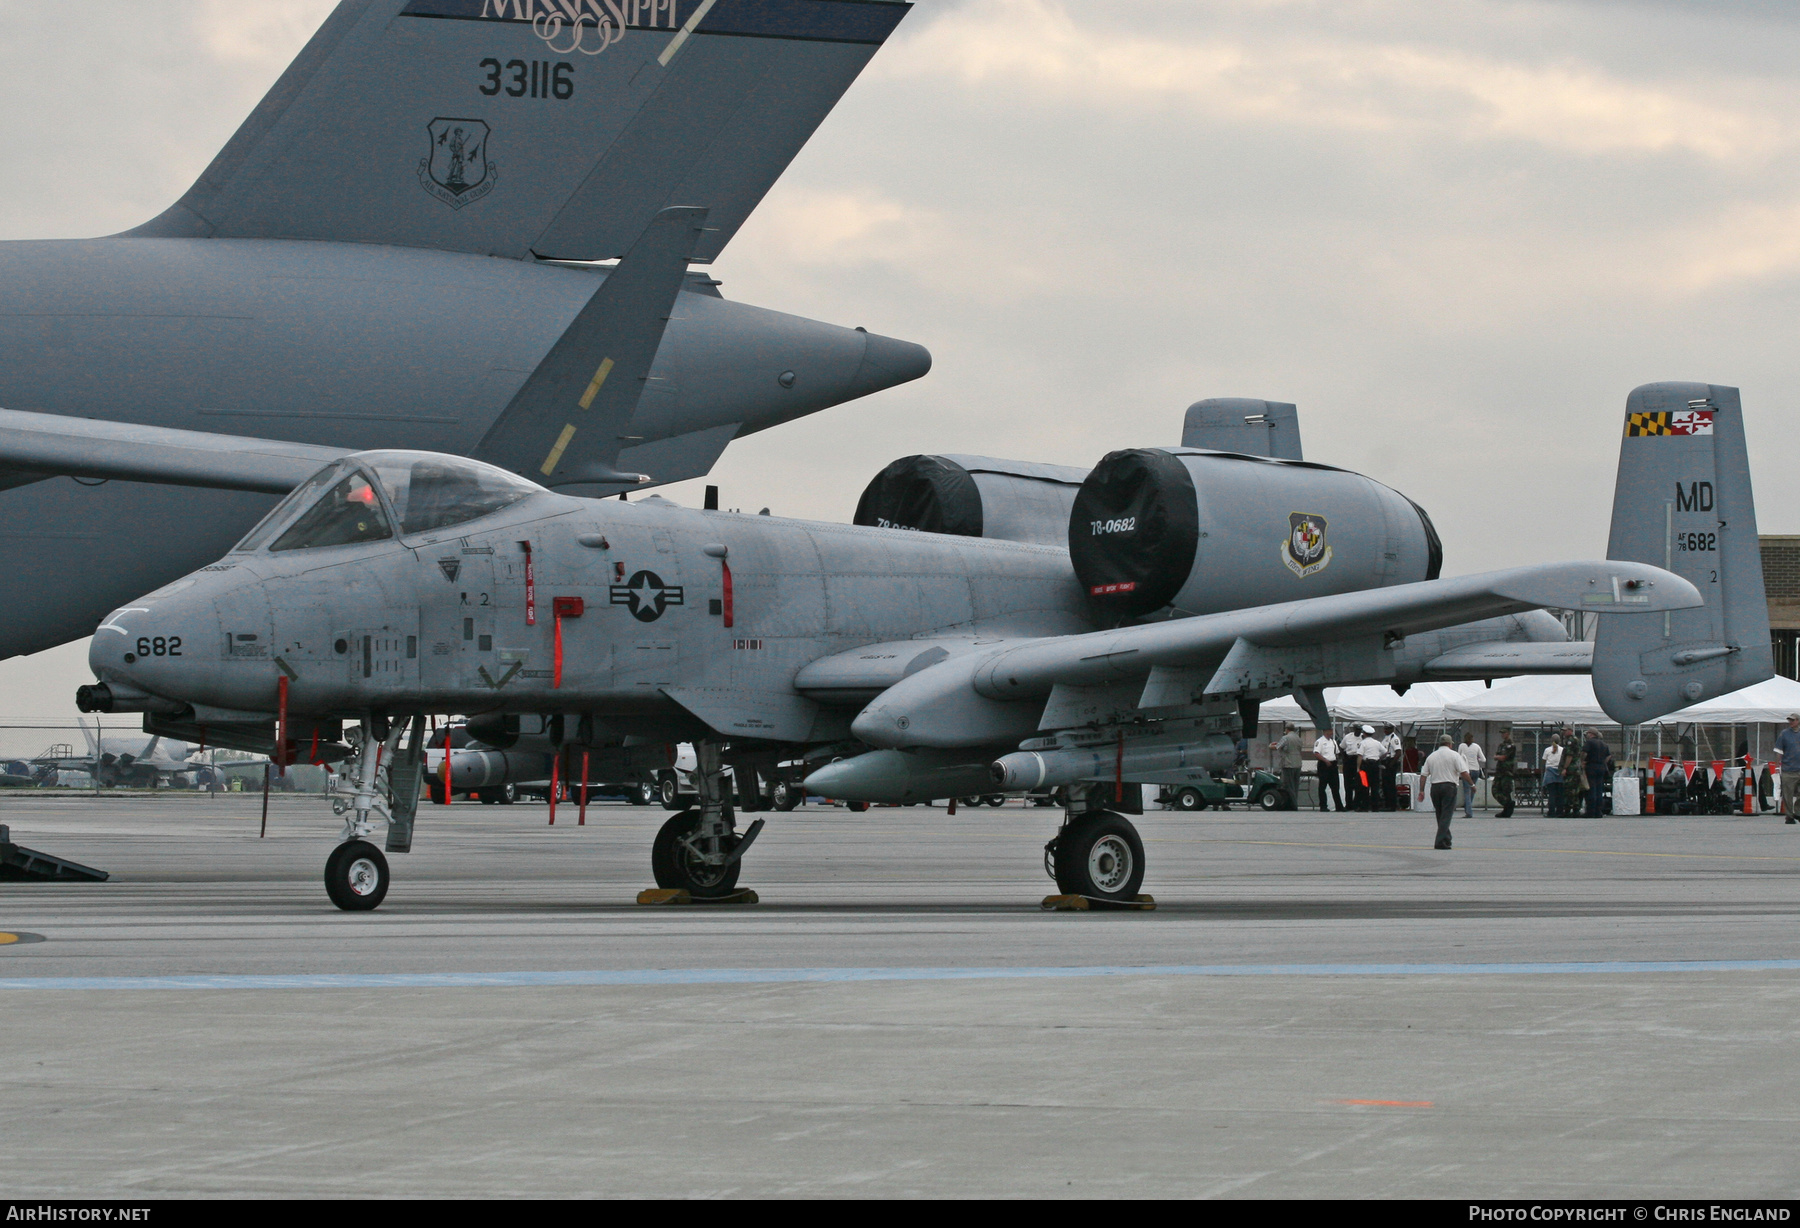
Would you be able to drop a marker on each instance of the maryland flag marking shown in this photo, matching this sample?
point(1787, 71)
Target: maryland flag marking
point(1674, 422)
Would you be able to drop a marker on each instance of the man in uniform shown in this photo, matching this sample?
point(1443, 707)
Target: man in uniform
point(1350, 757)
point(1372, 753)
point(1505, 756)
point(1287, 760)
point(1440, 772)
point(1325, 750)
point(1390, 769)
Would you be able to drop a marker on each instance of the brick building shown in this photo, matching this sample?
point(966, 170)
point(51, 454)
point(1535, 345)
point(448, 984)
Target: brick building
point(1781, 584)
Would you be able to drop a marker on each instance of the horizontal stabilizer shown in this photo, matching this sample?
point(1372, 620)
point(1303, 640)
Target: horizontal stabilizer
point(565, 424)
point(508, 127)
point(1501, 659)
point(49, 445)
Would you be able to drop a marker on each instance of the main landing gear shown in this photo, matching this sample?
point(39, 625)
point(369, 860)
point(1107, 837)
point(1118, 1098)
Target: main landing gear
point(700, 851)
point(382, 788)
point(1097, 855)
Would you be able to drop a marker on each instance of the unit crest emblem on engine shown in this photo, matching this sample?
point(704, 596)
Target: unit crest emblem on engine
point(1305, 550)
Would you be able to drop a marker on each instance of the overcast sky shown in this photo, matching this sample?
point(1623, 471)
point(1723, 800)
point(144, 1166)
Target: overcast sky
point(1456, 234)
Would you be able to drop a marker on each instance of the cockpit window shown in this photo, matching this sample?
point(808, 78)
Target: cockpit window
point(429, 491)
point(296, 498)
point(350, 512)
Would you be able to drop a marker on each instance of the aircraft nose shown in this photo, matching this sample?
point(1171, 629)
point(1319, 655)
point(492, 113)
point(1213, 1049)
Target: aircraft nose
point(154, 643)
point(886, 362)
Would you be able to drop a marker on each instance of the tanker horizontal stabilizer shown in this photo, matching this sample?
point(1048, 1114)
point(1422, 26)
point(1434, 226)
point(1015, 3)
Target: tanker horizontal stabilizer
point(567, 424)
point(1683, 502)
point(36, 446)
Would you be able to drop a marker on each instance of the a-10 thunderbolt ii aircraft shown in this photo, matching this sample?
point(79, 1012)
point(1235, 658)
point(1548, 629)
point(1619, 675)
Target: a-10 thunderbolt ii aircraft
point(393, 241)
point(914, 664)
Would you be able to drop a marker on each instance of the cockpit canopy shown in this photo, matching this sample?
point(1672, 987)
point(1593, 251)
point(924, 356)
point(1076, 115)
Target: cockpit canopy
point(361, 498)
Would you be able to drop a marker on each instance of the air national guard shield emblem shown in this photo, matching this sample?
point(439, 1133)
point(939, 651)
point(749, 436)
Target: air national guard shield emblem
point(455, 168)
point(1305, 550)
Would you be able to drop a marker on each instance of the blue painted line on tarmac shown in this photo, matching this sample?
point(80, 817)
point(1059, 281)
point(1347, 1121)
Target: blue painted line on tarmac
point(784, 976)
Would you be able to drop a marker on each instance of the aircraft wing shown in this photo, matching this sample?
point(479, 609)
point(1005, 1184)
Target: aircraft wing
point(37, 446)
point(964, 701)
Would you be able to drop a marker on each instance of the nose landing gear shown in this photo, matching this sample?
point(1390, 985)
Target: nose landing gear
point(383, 788)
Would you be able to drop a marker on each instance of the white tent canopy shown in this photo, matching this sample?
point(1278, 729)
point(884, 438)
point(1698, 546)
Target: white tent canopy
point(1570, 700)
point(1376, 705)
point(1561, 699)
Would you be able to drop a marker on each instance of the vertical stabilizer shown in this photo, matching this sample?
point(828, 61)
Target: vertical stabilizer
point(1683, 503)
point(513, 127)
point(1243, 424)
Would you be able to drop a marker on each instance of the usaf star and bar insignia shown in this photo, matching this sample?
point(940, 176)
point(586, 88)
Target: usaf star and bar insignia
point(647, 596)
point(1670, 422)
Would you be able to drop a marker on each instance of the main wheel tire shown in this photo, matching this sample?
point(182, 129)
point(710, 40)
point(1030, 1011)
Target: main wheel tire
point(508, 794)
point(995, 799)
point(970, 802)
point(647, 794)
point(356, 876)
point(1273, 799)
point(675, 865)
point(858, 807)
point(786, 796)
point(434, 789)
point(1100, 856)
point(670, 792)
point(1190, 799)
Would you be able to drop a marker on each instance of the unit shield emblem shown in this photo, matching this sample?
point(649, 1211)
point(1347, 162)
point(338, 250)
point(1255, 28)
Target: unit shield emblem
point(1305, 550)
point(455, 168)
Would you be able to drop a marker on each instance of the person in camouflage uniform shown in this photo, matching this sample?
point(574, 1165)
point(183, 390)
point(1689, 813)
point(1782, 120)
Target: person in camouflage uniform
point(1506, 756)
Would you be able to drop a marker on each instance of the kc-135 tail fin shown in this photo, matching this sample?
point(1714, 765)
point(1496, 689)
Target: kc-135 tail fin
point(517, 127)
point(1683, 503)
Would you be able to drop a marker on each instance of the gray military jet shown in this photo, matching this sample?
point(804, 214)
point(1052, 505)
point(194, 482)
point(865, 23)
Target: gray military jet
point(398, 240)
point(910, 664)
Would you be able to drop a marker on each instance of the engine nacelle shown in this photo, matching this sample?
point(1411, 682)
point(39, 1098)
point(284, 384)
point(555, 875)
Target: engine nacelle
point(973, 496)
point(1196, 532)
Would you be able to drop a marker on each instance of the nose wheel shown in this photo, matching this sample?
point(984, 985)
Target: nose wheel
point(356, 876)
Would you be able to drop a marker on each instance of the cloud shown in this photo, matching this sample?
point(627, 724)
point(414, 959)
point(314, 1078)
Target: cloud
point(265, 32)
point(1381, 82)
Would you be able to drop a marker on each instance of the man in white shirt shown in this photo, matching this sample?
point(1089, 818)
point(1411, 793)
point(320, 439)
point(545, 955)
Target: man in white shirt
point(1473, 758)
point(1325, 749)
point(1442, 770)
point(1372, 752)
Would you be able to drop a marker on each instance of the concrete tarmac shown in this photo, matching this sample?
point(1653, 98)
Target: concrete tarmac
point(1321, 1005)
